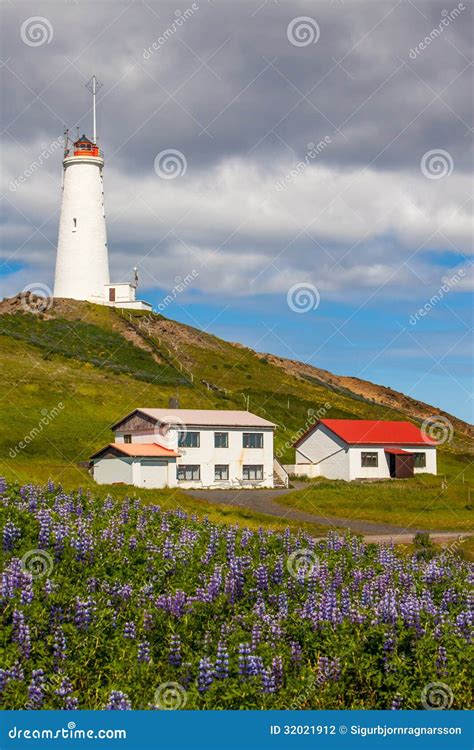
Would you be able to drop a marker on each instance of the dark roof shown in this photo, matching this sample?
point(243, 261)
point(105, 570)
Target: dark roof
point(84, 139)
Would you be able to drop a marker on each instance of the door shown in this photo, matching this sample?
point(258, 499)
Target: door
point(404, 465)
point(112, 295)
point(153, 473)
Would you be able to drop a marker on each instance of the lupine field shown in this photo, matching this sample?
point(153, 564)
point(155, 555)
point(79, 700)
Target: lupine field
point(111, 604)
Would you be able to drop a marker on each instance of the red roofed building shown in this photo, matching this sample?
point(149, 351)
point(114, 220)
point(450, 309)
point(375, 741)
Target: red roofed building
point(363, 449)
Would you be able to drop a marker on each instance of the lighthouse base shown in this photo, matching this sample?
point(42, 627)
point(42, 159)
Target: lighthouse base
point(136, 304)
point(123, 295)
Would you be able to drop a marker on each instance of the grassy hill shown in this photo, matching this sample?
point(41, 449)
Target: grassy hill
point(69, 373)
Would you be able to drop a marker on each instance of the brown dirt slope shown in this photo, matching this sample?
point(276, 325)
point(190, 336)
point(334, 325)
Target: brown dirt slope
point(377, 394)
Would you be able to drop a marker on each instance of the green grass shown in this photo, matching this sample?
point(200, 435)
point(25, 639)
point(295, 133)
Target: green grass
point(427, 502)
point(92, 399)
point(84, 364)
point(88, 342)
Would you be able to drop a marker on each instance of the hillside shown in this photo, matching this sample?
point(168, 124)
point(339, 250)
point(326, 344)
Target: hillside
point(68, 373)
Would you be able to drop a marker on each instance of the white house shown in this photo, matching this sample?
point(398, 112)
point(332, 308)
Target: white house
point(190, 448)
point(363, 449)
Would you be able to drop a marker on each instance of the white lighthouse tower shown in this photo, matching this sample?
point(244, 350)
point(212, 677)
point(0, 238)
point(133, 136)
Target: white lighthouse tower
point(82, 262)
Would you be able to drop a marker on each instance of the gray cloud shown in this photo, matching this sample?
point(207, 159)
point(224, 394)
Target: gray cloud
point(229, 69)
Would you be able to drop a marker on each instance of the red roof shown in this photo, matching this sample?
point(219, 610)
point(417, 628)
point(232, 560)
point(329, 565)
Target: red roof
point(139, 450)
point(373, 432)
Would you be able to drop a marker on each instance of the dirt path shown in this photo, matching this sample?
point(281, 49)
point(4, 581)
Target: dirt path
point(266, 501)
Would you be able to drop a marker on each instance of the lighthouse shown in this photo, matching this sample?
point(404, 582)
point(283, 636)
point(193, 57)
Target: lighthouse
point(82, 261)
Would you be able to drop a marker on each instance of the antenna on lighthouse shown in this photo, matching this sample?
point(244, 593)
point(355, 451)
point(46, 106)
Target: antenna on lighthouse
point(93, 86)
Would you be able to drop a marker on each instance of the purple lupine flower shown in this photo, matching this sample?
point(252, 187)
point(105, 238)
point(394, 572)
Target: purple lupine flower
point(244, 653)
point(441, 666)
point(268, 681)
point(175, 657)
point(397, 703)
point(11, 534)
point(147, 621)
point(36, 689)
point(118, 701)
point(277, 671)
point(296, 652)
point(70, 703)
point(21, 633)
point(205, 675)
point(388, 649)
point(261, 574)
point(27, 593)
point(255, 665)
point(328, 669)
point(143, 654)
point(130, 630)
point(59, 647)
point(46, 524)
point(277, 575)
point(256, 636)
point(84, 613)
point(222, 662)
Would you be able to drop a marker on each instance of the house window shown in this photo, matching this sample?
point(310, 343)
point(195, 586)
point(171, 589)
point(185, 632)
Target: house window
point(189, 473)
point(252, 472)
point(221, 440)
point(127, 438)
point(253, 439)
point(75, 223)
point(420, 460)
point(221, 471)
point(189, 439)
point(369, 459)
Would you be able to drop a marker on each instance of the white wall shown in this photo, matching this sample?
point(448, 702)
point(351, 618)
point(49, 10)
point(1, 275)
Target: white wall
point(113, 470)
point(206, 456)
point(333, 459)
point(327, 451)
point(382, 471)
point(141, 472)
point(82, 266)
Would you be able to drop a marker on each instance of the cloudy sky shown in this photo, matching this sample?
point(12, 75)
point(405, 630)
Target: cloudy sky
point(305, 165)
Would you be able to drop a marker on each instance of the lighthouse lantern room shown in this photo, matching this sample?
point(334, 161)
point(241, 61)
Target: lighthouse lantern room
point(82, 264)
